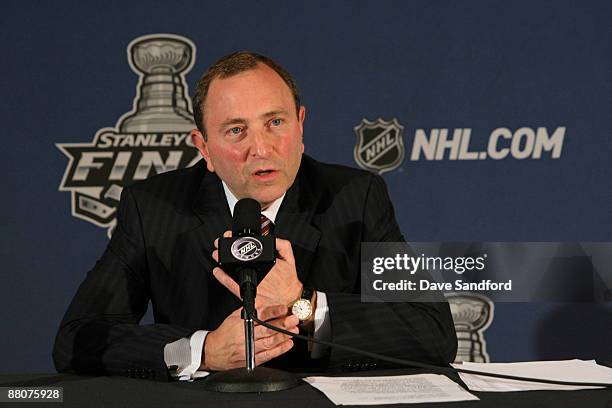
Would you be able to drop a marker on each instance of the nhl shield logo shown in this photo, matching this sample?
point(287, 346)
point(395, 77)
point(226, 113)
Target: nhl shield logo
point(150, 139)
point(380, 145)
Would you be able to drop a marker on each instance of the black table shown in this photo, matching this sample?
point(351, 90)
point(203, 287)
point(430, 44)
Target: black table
point(90, 392)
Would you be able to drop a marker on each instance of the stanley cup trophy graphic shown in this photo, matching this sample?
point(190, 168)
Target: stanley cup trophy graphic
point(472, 314)
point(161, 105)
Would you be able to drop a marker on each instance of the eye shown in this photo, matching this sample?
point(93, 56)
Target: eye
point(276, 122)
point(235, 130)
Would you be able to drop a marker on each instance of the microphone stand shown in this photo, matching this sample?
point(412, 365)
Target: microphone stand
point(248, 288)
point(249, 335)
point(250, 378)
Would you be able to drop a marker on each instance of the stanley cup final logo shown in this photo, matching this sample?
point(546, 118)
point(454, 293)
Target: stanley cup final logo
point(152, 138)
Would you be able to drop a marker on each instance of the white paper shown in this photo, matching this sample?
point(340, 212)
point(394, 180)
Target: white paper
point(401, 389)
point(567, 370)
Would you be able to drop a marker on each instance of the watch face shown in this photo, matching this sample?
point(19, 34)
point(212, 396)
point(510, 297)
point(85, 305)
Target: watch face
point(302, 309)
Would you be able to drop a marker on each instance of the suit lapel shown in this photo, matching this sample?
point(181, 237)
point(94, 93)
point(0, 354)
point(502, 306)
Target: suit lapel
point(212, 209)
point(294, 223)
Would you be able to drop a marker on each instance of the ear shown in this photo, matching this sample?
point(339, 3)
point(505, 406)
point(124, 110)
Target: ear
point(301, 117)
point(197, 138)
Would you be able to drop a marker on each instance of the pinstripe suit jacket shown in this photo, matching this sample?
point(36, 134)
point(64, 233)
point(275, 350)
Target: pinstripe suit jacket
point(161, 251)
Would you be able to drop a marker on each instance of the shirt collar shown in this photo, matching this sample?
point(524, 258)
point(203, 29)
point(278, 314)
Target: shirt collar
point(269, 212)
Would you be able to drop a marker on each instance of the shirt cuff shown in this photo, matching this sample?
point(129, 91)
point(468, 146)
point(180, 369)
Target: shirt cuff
point(186, 355)
point(322, 326)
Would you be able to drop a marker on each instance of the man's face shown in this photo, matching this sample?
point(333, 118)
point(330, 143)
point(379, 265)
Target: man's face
point(254, 134)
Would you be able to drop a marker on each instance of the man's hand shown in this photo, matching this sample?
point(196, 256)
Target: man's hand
point(224, 348)
point(281, 285)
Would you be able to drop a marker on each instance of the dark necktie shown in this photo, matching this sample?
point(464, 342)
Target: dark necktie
point(266, 225)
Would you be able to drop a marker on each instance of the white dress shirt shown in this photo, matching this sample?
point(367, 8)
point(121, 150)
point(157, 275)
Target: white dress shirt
point(186, 353)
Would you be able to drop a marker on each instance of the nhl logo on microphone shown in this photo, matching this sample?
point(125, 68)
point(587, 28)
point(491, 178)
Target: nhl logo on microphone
point(247, 248)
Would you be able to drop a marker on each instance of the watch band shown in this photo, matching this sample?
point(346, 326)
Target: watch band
point(307, 293)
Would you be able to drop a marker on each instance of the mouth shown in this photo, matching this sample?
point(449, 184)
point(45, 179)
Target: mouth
point(265, 174)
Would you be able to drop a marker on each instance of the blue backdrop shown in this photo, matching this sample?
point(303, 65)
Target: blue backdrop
point(480, 65)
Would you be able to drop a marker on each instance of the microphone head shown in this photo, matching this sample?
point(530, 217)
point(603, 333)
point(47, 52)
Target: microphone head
point(247, 218)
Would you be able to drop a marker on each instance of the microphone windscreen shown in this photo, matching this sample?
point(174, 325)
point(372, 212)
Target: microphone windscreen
point(247, 213)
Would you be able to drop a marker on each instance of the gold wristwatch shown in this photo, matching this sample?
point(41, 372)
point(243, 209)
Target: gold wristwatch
point(302, 308)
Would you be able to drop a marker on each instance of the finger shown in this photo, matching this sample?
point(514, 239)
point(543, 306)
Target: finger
point(284, 250)
point(286, 322)
point(226, 234)
point(272, 312)
point(268, 355)
point(268, 343)
point(262, 301)
point(225, 280)
point(262, 332)
point(215, 255)
point(289, 323)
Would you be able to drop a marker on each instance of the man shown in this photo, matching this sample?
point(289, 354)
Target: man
point(250, 126)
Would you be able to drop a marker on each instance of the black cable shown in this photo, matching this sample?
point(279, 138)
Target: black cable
point(423, 365)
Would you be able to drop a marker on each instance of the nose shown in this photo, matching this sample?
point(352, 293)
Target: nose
point(261, 145)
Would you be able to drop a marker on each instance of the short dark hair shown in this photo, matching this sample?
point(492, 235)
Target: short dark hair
point(231, 65)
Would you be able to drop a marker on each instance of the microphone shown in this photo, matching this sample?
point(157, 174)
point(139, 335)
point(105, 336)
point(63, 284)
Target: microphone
point(246, 219)
point(247, 254)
